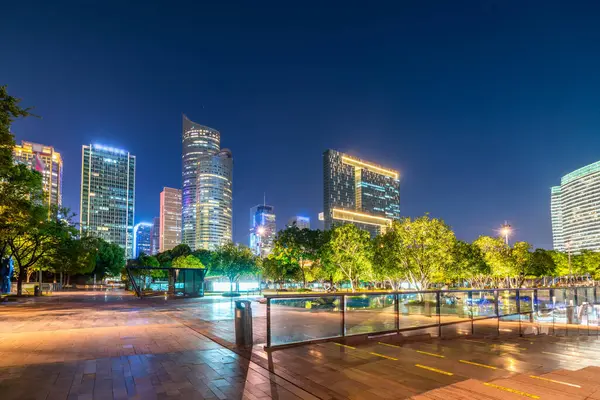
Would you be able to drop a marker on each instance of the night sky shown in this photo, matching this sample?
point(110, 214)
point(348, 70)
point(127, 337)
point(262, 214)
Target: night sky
point(481, 105)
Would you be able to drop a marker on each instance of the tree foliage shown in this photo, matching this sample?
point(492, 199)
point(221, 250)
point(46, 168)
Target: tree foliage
point(233, 262)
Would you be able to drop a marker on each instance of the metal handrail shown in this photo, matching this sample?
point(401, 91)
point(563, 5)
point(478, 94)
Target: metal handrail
point(436, 312)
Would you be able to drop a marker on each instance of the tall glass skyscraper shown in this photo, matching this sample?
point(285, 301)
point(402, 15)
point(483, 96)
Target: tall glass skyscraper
point(107, 205)
point(47, 162)
point(575, 210)
point(262, 229)
point(170, 219)
point(198, 141)
point(359, 192)
point(142, 239)
point(155, 235)
point(214, 200)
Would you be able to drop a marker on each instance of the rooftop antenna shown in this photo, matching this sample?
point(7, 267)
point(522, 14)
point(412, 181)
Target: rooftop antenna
point(264, 198)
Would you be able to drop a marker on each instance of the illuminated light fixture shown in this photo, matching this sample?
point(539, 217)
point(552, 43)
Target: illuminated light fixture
point(353, 216)
point(361, 164)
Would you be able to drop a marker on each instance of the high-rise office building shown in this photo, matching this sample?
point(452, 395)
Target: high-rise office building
point(198, 141)
point(170, 219)
point(107, 207)
point(142, 239)
point(155, 235)
point(359, 192)
point(575, 210)
point(214, 200)
point(299, 222)
point(47, 162)
point(262, 229)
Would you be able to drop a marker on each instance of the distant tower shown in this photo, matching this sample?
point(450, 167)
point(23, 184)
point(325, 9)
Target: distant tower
point(359, 192)
point(142, 239)
point(47, 162)
point(214, 200)
point(262, 229)
point(155, 235)
point(198, 141)
point(299, 222)
point(108, 195)
point(170, 219)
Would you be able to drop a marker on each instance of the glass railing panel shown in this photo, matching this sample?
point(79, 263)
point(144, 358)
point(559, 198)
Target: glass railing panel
point(507, 302)
point(454, 306)
point(303, 319)
point(483, 304)
point(417, 309)
point(369, 313)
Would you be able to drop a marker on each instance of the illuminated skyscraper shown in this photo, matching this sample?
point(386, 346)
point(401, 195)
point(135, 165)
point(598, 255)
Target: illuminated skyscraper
point(170, 219)
point(575, 210)
point(198, 141)
point(108, 195)
point(262, 229)
point(142, 239)
point(359, 192)
point(214, 200)
point(47, 162)
point(299, 222)
point(155, 235)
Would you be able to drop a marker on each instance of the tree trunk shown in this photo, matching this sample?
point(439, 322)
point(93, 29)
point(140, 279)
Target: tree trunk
point(20, 278)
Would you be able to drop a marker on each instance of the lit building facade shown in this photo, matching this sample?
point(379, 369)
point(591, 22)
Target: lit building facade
point(47, 162)
point(359, 192)
point(142, 239)
point(214, 200)
point(198, 141)
point(299, 222)
point(107, 207)
point(262, 229)
point(155, 235)
point(575, 210)
point(170, 219)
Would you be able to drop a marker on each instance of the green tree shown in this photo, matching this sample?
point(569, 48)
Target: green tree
point(389, 262)
point(10, 110)
point(498, 256)
point(522, 267)
point(542, 264)
point(206, 257)
point(424, 249)
point(180, 250)
point(234, 262)
point(110, 258)
point(188, 261)
point(300, 247)
point(73, 256)
point(279, 271)
point(469, 265)
point(351, 251)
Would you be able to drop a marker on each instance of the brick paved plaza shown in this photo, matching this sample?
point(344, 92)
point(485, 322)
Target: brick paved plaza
point(110, 345)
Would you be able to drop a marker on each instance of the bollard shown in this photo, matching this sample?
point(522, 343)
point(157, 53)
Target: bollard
point(243, 323)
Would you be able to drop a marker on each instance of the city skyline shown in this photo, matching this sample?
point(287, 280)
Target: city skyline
point(472, 109)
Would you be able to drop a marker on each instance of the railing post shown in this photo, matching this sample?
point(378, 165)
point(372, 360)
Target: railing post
point(471, 311)
point(438, 311)
point(519, 310)
point(397, 310)
point(497, 309)
point(343, 308)
point(268, 322)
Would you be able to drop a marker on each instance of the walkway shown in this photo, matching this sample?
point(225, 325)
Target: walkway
point(109, 345)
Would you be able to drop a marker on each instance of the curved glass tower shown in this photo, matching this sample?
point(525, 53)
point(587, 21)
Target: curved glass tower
point(214, 200)
point(575, 209)
point(198, 141)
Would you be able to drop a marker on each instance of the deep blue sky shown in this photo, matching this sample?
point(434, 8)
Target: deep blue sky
point(481, 105)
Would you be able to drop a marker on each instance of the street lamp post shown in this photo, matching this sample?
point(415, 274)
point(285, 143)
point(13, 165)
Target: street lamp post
point(506, 231)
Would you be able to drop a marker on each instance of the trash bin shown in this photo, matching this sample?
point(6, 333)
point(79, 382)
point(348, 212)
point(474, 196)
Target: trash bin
point(37, 291)
point(243, 323)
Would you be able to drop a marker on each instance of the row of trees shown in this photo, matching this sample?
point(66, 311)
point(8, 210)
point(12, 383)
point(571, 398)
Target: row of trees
point(35, 236)
point(421, 251)
point(230, 260)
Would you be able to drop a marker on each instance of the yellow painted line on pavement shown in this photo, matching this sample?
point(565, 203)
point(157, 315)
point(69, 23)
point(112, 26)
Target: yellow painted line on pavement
point(475, 341)
point(557, 354)
point(554, 381)
point(430, 354)
point(390, 345)
point(515, 391)
point(477, 364)
point(383, 356)
point(439, 371)
point(343, 345)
